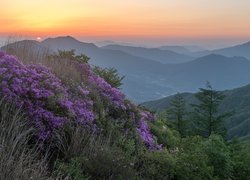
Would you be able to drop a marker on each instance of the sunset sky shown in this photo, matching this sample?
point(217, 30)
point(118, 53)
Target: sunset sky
point(151, 21)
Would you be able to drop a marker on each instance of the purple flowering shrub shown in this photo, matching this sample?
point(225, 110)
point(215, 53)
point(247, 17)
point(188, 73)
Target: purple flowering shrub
point(113, 95)
point(51, 103)
point(85, 76)
point(42, 95)
point(140, 118)
point(144, 132)
point(132, 112)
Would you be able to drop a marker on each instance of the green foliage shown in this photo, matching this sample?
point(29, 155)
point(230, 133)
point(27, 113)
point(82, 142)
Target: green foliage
point(194, 157)
point(110, 75)
point(109, 155)
point(205, 114)
point(71, 170)
point(165, 135)
point(236, 101)
point(192, 162)
point(176, 113)
point(158, 165)
point(219, 156)
point(100, 159)
point(240, 153)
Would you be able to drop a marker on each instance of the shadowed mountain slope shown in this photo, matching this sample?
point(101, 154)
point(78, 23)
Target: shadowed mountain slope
point(236, 100)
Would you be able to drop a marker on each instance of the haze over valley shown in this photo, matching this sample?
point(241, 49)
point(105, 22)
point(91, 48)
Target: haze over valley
point(153, 73)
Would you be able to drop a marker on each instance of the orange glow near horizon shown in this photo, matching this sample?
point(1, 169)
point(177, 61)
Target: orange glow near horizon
point(112, 18)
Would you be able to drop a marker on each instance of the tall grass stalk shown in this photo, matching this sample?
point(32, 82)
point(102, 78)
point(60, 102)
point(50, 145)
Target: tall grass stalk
point(18, 159)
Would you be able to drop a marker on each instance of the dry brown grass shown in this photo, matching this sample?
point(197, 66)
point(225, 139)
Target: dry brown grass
point(18, 160)
point(29, 53)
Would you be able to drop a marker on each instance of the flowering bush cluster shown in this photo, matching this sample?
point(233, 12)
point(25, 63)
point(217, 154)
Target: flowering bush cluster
point(108, 92)
point(51, 105)
point(144, 132)
point(46, 101)
point(96, 83)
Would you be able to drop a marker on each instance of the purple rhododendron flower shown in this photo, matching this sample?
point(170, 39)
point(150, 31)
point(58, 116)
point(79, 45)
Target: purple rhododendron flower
point(45, 99)
point(144, 132)
point(107, 91)
point(50, 105)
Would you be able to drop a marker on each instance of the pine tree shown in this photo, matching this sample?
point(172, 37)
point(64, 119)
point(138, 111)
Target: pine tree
point(206, 117)
point(176, 113)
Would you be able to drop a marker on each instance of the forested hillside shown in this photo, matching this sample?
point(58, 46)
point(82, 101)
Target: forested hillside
point(236, 101)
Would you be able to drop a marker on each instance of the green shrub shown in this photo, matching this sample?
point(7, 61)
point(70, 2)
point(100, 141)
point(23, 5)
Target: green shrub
point(158, 165)
point(71, 170)
point(218, 156)
point(166, 136)
point(240, 153)
point(100, 159)
point(192, 162)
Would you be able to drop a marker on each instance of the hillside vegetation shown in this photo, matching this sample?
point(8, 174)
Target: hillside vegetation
point(60, 119)
point(236, 101)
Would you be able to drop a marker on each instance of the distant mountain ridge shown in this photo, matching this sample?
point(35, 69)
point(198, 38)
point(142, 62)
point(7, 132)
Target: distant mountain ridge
point(221, 71)
point(237, 50)
point(188, 50)
point(236, 100)
point(64, 41)
point(147, 79)
point(159, 55)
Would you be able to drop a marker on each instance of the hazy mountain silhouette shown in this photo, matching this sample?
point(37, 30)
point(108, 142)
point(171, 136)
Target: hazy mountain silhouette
point(107, 42)
point(187, 50)
point(221, 71)
point(124, 62)
point(64, 42)
point(146, 79)
point(238, 50)
point(236, 100)
point(163, 56)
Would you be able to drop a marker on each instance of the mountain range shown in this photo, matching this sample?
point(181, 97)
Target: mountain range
point(188, 50)
point(236, 101)
point(159, 55)
point(151, 73)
